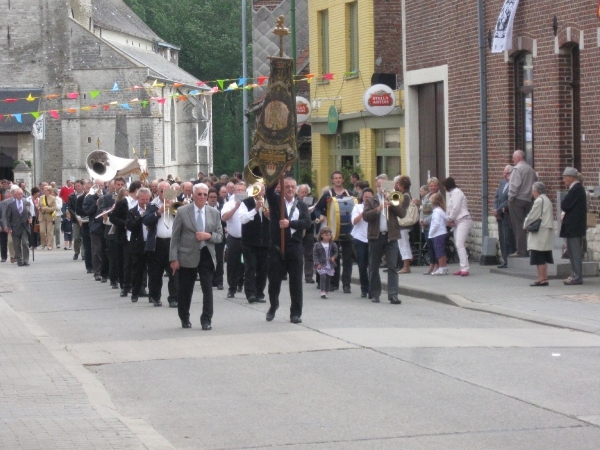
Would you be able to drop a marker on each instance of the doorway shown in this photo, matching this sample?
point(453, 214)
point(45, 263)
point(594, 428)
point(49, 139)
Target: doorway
point(432, 132)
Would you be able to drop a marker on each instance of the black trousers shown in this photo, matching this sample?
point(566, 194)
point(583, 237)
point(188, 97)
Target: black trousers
point(127, 265)
point(346, 253)
point(362, 256)
point(3, 244)
point(506, 238)
point(234, 262)
point(218, 278)
point(518, 210)
point(308, 243)
point(256, 269)
point(87, 246)
point(104, 270)
point(97, 253)
point(115, 261)
point(292, 264)
point(377, 247)
point(187, 279)
point(158, 263)
point(139, 261)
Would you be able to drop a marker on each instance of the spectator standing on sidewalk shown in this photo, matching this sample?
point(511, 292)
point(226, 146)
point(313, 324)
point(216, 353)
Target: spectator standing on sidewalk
point(574, 223)
point(500, 211)
point(541, 242)
point(459, 218)
point(522, 178)
point(438, 232)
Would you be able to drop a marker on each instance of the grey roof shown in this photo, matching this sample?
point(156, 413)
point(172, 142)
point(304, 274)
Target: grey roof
point(117, 16)
point(159, 66)
point(11, 125)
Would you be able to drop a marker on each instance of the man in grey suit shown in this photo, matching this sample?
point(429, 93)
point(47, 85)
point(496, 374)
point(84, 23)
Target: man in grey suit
point(196, 230)
point(500, 211)
point(18, 223)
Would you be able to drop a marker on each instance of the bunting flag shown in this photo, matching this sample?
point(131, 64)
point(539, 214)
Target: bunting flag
point(328, 76)
point(232, 87)
point(115, 87)
point(94, 94)
point(504, 27)
point(72, 95)
point(54, 114)
point(261, 80)
point(30, 98)
point(18, 117)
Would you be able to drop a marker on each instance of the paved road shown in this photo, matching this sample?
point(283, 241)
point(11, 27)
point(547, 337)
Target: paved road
point(82, 368)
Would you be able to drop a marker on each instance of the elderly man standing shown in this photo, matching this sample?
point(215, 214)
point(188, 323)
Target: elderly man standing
point(520, 202)
point(500, 211)
point(574, 223)
point(18, 223)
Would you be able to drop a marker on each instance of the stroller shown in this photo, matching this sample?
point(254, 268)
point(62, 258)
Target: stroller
point(420, 250)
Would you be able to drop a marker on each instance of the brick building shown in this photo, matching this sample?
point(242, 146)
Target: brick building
point(542, 95)
point(54, 48)
point(359, 43)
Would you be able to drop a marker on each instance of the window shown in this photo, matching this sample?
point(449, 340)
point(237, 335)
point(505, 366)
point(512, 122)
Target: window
point(353, 37)
point(524, 105)
point(173, 132)
point(387, 149)
point(344, 150)
point(324, 22)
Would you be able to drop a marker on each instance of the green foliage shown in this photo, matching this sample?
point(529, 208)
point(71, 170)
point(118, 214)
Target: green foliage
point(209, 34)
point(17, 161)
point(306, 176)
point(347, 170)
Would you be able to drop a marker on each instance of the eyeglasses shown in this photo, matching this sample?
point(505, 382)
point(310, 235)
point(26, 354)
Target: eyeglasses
point(202, 194)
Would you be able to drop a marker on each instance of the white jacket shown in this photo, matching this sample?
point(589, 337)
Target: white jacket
point(457, 205)
point(438, 223)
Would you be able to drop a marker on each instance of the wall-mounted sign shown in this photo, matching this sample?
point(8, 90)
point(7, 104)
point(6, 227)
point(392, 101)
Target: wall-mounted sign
point(303, 109)
point(332, 119)
point(380, 100)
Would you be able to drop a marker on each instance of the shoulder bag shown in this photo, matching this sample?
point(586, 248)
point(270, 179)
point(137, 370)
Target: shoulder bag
point(411, 217)
point(534, 226)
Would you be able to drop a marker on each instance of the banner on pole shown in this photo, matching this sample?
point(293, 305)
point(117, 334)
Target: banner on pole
point(504, 27)
point(204, 141)
point(39, 129)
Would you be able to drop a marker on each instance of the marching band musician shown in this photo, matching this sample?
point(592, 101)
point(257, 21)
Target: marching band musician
point(105, 206)
point(383, 233)
point(344, 243)
point(159, 222)
point(235, 268)
point(255, 245)
point(96, 228)
point(85, 226)
point(137, 240)
point(72, 208)
point(186, 193)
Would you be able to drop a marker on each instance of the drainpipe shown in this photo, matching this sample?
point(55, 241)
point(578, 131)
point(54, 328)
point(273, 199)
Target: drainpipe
point(483, 110)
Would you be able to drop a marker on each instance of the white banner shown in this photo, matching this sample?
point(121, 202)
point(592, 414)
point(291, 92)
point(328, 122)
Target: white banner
point(204, 140)
point(504, 27)
point(39, 128)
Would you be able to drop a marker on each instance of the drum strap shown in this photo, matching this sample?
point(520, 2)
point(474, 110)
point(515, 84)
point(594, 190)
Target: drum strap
point(334, 195)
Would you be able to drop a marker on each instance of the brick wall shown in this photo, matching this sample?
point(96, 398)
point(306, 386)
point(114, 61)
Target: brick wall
point(387, 22)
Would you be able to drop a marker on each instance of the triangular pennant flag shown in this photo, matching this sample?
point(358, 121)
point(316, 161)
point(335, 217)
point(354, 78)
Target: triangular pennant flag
point(135, 100)
point(181, 98)
point(115, 87)
point(113, 103)
point(86, 108)
point(30, 98)
point(35, 114)
point(200, 83)
point(136, 87)
point(176, 85)
point(220, 83)
point(328, 76)
point(54, 114)
point(241, 81)
point(144, 103)
point(18, 117)
point(1, 116)
point(71, 110)
point(194, 92)
point(161, 101)
point(125, 105)
point(11, 100)
point(94, 94)
point(52, 96)
point(72, 95)
point(213, 90)
point(105, 107)
point(261, 80)
point(157, 84)
point(232, 86)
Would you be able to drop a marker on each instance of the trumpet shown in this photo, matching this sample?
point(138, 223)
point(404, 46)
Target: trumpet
point(93, 190)
point(254, 191)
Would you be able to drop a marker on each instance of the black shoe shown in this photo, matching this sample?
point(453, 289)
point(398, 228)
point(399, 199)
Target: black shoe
point(285, 278)
point(363, 294)
point(104, 280)
point(230, 294)
point(271, 314)
point(186, 324)
point(503, 266)
point(252, 299)
point(90, 271)
point(19, 264)
point(3, 260)
point(375, 299)
point(206, 327)
point(240, 288)
point(220, 287)
point(157, 303)
point(75, 256)
point(261, 299)
point(134, 298)
point(369, 296)
point(295, 319)
point(394, 300)
point(335, 288)
point(114, 286)
point(173, 304)
point(97, 278)
point(123, 293)
point(347, 290)
point(310, 281)
point(143, 293)
point(26, 264)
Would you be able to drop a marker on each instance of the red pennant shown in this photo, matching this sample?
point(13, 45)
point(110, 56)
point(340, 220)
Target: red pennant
point(1, 116)
point(72, 95)
point(328, 76)
point(106, 107)
point(261, 80)
point(52, 96)
point(200, 83)
point(11, 100)
point(161, 100)
point(54, 114)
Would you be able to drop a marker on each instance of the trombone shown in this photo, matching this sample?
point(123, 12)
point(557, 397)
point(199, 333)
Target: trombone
point(254, 191)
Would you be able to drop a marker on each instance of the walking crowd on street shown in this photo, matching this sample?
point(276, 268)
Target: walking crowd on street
point(227, 234)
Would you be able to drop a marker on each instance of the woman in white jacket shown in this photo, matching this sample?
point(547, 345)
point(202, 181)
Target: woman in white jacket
point(541, 243)
point(460, 219)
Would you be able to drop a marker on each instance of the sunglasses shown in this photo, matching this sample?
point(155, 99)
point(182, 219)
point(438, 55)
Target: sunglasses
point(202, 194)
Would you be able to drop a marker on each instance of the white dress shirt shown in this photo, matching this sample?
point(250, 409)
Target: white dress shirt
point(247, 216)
point(234, 225)
point(144, 227)
point(360, 230)
point(382, 220)
point(295, 216)
point(131, 202)
point(163, 231)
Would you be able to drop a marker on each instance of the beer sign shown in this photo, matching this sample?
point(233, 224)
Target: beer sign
point(303, 109)
point(380, 100)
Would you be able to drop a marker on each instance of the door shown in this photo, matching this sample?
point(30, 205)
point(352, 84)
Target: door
point(432, 132)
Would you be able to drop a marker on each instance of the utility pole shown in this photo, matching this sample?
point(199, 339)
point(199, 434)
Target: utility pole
point(245, 91)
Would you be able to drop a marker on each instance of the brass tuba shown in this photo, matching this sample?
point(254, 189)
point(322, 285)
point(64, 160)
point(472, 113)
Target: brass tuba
point(174, 207)
point(252, 173)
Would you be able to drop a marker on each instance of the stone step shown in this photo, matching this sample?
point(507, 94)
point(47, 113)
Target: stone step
point(560, 269)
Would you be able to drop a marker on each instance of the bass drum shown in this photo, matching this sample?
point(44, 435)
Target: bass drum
point(339, 216)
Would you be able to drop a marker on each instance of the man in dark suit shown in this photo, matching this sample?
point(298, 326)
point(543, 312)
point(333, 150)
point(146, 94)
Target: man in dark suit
point(7, 199)
point(96, 229)
point(297, 219)
point(105, 206)
point(72, 208)
point(213, 200)
point(85, 228)
point(196, 230)
point(574, 223)
point(500, 211)
point(18, 223)
point(137, 240)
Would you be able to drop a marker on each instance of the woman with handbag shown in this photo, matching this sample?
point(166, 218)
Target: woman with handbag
point(406, 223)
point(540, 237)
point(459, 218)
point(47, 206)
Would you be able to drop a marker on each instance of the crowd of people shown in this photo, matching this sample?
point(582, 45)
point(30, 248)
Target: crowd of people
point(222, 232)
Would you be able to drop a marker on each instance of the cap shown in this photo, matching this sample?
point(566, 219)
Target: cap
point(570, 172)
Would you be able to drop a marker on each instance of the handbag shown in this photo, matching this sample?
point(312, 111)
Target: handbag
point(411, 217)
point(534, 226)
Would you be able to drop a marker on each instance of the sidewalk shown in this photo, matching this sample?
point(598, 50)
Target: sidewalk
point(576, 307)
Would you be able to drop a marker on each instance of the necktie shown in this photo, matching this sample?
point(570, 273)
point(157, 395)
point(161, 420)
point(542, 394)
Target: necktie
point(200, 226)
point(20, 205)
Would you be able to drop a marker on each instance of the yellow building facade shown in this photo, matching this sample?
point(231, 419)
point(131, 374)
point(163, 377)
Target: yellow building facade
point(342, 43)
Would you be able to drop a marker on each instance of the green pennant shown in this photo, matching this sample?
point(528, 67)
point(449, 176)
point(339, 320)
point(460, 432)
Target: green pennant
point(144, 103)
point(94, 94)
point(35, 114)
point(220, 82)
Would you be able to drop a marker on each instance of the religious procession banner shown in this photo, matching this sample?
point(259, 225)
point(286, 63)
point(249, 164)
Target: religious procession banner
point(504, 27)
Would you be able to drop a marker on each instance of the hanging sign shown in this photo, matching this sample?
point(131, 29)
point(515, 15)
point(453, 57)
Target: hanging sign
point(303, 109)
point(504, 27)
point(332, 119)
point(380, 100)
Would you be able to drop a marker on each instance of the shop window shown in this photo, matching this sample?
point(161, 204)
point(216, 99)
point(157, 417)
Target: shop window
point(353, 37)
point(387, 150)
point(344, 151)
point(324, 44)
point(524, 114)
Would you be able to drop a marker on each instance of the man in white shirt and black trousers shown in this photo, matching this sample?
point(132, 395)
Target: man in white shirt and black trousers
point(137, 240)
point(297, 219)
point(229, 214)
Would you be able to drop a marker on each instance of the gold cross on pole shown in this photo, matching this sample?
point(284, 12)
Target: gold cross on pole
point(281, 31)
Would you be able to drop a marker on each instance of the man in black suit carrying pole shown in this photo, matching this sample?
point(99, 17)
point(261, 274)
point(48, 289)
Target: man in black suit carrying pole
point(291, 260)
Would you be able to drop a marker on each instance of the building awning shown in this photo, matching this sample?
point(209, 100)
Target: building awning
point(14, 109)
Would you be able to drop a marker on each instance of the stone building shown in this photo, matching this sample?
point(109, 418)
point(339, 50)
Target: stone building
point(112, 83)
point(542, 95)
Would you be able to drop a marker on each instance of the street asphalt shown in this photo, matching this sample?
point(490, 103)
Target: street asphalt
point(478, 362)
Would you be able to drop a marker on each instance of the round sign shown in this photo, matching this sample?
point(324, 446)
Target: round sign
point(332, 119)
point(303, 109)
point(380, 100)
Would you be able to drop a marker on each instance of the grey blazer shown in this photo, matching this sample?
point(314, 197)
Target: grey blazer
point(184, 246)
point(501, 198)
point(18, 223)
